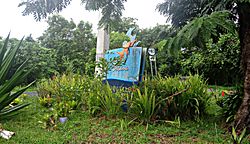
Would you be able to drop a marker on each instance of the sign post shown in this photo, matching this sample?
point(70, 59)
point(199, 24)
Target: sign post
point(102, 46)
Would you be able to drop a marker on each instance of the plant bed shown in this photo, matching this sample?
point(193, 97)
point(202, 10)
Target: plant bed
point(83, 128)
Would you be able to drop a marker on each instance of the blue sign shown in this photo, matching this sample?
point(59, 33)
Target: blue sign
point(130, 68)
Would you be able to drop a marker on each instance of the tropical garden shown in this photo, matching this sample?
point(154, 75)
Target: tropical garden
point(200, 94)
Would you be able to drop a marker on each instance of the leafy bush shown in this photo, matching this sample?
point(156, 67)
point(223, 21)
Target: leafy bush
point(230, 103)
point(116, 39)
point(9, 80)
point(64, 93)
point(72, 91)
point(219, 62)
point(186, 99)
point(71, 41)
point(42, 61)
point(104, 99)
point(156, 99)
point(143, 105)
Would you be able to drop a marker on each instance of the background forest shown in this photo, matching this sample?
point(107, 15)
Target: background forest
point(68, 46)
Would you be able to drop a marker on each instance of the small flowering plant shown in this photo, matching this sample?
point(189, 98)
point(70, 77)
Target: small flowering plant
point(222, 93)
point(229, 101)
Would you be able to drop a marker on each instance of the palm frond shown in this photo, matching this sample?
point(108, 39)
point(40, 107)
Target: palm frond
point(200, 30)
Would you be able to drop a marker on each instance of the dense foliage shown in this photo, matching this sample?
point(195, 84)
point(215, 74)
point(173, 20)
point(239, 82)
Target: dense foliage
point(41, 60)
point(64, 93)
point(185, 98)
point(124, 24)
point(157, 99)
point(219, 62)
point(72, 43)
point(117, 39)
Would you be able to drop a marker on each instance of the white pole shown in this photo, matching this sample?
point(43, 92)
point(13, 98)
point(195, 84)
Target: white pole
point(101, 46)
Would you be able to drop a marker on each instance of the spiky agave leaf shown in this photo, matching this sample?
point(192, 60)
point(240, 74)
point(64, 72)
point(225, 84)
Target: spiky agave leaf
point(7, 56)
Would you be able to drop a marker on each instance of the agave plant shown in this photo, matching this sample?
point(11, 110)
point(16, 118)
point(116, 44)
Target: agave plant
point(8, 81)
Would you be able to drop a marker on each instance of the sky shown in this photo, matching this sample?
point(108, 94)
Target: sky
point(12, 19)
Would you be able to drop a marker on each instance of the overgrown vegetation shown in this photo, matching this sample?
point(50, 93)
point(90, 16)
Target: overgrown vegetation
point(155, 100)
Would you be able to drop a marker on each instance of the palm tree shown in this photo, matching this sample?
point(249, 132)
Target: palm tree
point(203, 27)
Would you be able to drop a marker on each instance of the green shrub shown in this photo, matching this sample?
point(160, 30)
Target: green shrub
point(230, 103)
point(72, 91)
point(186, 99)
point(195, 99)
point(104, 99)
point(64, 93)
point(143, 105)
point(156, 99)
point(219, 62)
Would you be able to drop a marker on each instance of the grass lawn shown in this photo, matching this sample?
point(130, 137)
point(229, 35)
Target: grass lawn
point(82, 128)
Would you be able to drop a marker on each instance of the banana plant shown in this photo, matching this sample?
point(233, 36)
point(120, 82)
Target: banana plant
point(8, 81)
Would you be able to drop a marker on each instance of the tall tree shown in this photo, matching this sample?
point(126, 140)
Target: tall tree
point(151, 36)
point(59, 29)
point(124, 25)
point(72, 43)
point(200, 30)
point(243, 114)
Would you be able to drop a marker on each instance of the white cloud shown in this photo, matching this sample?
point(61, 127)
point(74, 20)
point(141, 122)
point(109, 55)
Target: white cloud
point(12, 19)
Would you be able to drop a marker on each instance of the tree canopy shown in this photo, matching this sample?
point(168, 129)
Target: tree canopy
point(72, 42)
point(111, 9)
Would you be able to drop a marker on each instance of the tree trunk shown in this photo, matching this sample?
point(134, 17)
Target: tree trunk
point(243, 115)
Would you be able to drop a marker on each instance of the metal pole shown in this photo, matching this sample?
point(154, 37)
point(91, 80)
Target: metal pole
point(151, 67)
point(155, 67)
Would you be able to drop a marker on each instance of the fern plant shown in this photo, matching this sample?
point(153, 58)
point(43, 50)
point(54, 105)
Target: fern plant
point(9, 81)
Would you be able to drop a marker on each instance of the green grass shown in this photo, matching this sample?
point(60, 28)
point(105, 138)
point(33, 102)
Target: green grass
point(82, 128)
